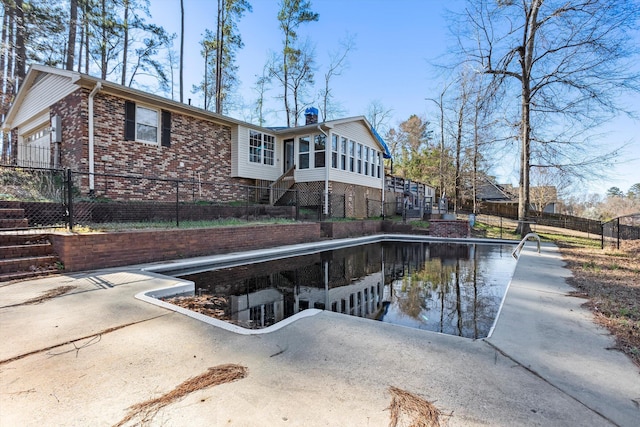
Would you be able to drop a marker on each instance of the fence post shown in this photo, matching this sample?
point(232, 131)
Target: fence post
point(297, 205)
point(70, 199)
point(618, 231)
point(178, 204)
point(602, 235)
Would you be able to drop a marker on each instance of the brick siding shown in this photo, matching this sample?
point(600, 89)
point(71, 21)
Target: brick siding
point(200, 151)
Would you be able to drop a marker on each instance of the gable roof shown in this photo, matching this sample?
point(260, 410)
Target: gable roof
point(36, 72)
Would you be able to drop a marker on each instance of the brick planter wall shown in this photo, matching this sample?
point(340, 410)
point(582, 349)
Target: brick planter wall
point(339, 230)
point(93, 251)
point(443, 228)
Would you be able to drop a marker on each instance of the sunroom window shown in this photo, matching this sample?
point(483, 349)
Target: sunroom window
point(319, 147)
point(303, 149)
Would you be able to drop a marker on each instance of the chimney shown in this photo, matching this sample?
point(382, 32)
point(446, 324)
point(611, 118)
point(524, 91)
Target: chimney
point(311, 115)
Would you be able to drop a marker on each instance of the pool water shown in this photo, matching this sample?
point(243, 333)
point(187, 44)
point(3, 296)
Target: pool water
point(450, 288)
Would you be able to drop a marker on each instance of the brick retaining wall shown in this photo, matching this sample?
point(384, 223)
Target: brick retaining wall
point(93, 251)
point(96, 250)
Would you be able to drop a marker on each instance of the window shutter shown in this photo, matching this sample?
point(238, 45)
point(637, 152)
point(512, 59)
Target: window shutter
point(129, 121)
point(165, 140)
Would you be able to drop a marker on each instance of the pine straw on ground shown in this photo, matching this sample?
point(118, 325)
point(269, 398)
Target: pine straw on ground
point(407, 408)
point(610, 280)
point(214, 376)
point(52, 293)
point(209, 305)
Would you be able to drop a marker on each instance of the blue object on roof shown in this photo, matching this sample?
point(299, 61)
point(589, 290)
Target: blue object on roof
point(311, 110)
point(386, 154)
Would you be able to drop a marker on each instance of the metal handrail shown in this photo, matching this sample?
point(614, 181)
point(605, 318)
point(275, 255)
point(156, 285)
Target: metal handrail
point(518, 248)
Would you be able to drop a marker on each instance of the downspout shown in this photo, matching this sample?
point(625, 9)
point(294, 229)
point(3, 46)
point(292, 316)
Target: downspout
point(91, 139)
point(327, 165)
point(384, 181)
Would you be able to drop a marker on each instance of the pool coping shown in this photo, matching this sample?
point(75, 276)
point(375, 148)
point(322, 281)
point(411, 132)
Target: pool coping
point(154, 296)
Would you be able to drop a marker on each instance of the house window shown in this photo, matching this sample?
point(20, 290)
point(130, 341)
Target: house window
point(343, 153)
point(379, 163)
point(334, 151)
point(261, 148)
point(319, 147)
point(146, 124)
point(303, 151)
point(352, 156)
point(359, 158)
point(143, 124)
point(269, 149)
point(366, 160)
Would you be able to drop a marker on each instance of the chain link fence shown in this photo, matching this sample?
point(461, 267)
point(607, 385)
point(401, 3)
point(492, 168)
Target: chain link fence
point(32, 198)
point(57, 198)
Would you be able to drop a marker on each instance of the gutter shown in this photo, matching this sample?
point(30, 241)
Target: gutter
point(91, 139)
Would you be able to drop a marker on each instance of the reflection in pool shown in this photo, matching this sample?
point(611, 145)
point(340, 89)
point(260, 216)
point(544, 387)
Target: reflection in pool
point(451, 288)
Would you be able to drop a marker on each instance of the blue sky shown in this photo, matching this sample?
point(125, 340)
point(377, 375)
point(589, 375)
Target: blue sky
point(396, 43)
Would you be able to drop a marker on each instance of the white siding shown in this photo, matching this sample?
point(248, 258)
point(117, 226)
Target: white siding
point(246, 169)
point(309, 175)
point(45, 92)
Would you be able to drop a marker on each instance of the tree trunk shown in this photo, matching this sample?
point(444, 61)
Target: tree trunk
point(181, 50)
point(526, 63)
point(125, 41)
point(219, 55)
point(20, 48)
point(71, 43)
point(103, 41)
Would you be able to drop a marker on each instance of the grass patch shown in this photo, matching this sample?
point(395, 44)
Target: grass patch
point(489, 231)
point(131, 226)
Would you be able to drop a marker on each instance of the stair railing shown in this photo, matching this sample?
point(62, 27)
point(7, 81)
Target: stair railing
point(518, 249)
point(281, 185)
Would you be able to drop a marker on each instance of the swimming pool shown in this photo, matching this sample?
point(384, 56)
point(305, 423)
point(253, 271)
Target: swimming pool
point(448, 287)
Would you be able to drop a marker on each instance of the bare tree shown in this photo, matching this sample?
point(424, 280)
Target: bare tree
point(569, 62)
point(379, 116)
point(337, 64)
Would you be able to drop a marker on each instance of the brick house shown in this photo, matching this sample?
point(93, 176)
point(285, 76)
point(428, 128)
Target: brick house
point(64, 119)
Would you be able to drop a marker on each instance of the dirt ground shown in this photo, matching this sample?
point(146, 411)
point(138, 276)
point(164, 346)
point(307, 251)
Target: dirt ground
point(609, 280)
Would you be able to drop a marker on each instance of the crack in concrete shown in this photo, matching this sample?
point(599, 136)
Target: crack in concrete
point(97, 334)
point(538, 375)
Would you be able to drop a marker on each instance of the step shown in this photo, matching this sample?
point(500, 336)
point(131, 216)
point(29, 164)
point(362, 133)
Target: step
point(10, 204)
point(22, 251)
point(23, 239)
point(14, 223)
point(10, 213)
point(6, 277)
point(27, 264)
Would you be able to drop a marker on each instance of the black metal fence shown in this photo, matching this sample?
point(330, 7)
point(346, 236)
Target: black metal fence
point(54, 198)
point(618, 229)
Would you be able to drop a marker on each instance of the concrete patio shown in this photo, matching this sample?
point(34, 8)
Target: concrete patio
point(84, 358)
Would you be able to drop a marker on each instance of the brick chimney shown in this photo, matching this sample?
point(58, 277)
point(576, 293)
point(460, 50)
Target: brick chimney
point(311, 115)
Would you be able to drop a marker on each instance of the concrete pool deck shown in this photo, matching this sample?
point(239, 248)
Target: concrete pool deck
point(85, 357)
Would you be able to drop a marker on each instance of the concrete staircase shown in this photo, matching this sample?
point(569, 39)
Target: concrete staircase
point(25, 253)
